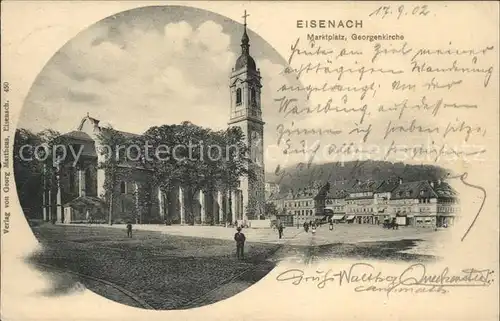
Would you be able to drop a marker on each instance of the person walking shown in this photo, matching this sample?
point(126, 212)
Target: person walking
point(280, 230)
point(240, 243)
point(331, 226)
point(129, 230)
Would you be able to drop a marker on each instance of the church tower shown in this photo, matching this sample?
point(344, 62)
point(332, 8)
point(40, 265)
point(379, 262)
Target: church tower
point(245, 87)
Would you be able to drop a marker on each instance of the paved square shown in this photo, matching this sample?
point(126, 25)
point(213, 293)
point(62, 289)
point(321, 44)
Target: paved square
point(178, 267)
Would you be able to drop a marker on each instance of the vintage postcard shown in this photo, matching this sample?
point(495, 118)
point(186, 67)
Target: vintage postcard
point(249, 160)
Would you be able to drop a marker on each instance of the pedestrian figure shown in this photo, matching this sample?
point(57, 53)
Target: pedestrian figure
point(313, 229)
point(280, 230)
point(306, 227)
point(331, 226)
point(240, 242)
point(129, 230)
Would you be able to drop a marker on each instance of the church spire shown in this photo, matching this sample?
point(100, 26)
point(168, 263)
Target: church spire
point(245, 60)
point(245, 41)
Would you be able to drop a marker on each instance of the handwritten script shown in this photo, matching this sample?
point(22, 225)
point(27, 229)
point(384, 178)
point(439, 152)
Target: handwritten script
point(415, 279)
point(386, 97)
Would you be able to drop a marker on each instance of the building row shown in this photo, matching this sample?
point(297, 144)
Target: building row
point(418, 203)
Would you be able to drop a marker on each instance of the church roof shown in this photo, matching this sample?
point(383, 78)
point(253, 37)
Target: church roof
point(80, 134)
point(245, 60)
point(125, 134)
point(76, 134)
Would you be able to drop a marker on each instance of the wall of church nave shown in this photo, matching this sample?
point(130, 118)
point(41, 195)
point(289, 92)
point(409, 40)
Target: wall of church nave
point(169, 207)
point(125, 209)
point(78, 181)
point(196, 208)
point(68, 182)
point(206, 208)
point(90, 178)
point(134, 198)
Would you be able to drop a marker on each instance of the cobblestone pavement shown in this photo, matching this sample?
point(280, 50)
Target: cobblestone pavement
point(165, 271)
point(177, 267)
point(264, 235)
point(342, 233)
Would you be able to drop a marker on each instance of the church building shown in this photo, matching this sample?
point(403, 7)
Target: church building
point(76, 193)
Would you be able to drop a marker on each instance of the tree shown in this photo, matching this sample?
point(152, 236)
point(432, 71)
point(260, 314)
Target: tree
point(166, 170)
point(35, 166)
point(196, 157)
point(234, 164)
point(110, 140)
point(271, 209)
point(195, 170)
point(27, 170)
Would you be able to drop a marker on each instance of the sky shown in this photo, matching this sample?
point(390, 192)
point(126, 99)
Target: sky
point(147, 67)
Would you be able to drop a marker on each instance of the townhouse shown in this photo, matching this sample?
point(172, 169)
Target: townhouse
point(335, 201)
point(425, 204)
point(359, 203)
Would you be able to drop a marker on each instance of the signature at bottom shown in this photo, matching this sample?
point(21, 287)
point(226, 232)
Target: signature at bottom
point(414, 278)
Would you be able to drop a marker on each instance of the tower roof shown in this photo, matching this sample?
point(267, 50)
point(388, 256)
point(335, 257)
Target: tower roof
point(245, 60)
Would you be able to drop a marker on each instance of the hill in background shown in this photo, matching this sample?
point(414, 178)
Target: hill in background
point(303, 175)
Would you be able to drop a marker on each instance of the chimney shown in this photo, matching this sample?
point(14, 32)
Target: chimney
point(400, 180)
point(439, 182)
point(432, 184)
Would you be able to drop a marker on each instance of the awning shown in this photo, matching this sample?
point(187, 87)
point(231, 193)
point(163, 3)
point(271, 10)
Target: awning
point(350, 217)
point(338, 216)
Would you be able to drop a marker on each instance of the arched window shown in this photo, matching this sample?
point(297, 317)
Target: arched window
point(253, 96)
point(238, 96)
point(123, 187)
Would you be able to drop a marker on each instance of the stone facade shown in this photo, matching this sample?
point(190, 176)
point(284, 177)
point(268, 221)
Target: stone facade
point(246, 113)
